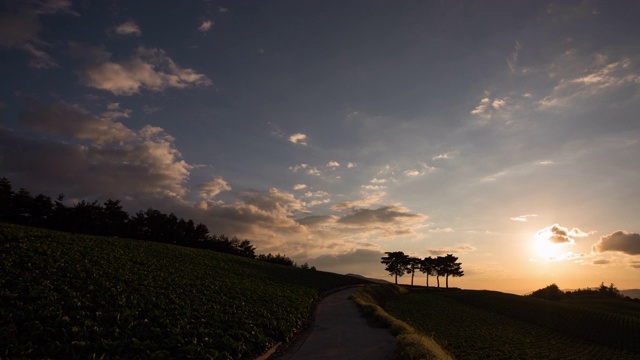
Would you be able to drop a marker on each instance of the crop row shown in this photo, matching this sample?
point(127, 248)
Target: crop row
point(65, 295)
point(471, 332)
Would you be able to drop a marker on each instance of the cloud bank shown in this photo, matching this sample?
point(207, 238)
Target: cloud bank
point(619, 241)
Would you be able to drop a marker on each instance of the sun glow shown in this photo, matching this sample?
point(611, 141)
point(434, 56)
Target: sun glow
point(545, 248)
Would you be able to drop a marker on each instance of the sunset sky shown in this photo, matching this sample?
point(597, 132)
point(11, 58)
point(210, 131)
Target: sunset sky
point(504, 132)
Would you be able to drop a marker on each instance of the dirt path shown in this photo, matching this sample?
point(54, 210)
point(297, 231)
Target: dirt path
point(340, 332)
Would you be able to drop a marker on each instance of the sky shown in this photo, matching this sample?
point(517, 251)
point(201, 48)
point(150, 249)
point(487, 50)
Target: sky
point(504, 132)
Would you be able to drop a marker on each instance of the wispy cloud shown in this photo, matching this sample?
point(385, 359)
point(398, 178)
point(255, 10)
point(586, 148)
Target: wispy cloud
point(333, 164)
point(452, 250)
point(20, 28)
point(126, 28)
point(150, 69)
point(523, 218)
point(205, 26)
point(215, 186)
point(512, 60)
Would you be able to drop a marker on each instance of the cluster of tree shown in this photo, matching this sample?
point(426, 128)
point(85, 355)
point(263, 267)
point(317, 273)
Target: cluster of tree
point(283, 260)
point(109, 219)
point(553, 292)
point(398, 263)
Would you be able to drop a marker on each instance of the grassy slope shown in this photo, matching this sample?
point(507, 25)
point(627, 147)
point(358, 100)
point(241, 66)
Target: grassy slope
point(65, 295)
point(492, 325)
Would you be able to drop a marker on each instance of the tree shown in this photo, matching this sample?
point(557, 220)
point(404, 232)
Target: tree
point(413, 264)
point(440, 268)
point(6, 193)
point(450, 267)
point(396, 263)
point(428, 266)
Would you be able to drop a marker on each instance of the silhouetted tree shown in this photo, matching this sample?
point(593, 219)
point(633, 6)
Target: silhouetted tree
point(413, 264)
point(6, 195)
point(277, 259)
point(114, 219)
point(110, 219)
point(396, 263)
point(451, 268)
point(428, 266)
point(551, 292)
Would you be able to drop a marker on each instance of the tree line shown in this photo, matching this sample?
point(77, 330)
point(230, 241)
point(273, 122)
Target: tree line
point(109, 219)
point(553, 292)
point(398, 263)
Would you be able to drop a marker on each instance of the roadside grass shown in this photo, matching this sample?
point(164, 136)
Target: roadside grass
point(492, 325)
point(80, 296)
point(410, 344)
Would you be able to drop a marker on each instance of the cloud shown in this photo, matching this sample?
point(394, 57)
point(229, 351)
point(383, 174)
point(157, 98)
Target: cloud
point(355, 261)
point(206, 26)
point(444, 156)
point(333, 164)
point(75, 122)
point(366, 201)
point(384, 214)
point(96, 158)
point(317, 220)
point(126, 28)
point(512, 60)
point(147, 68)
point(601, 262)
point(596, 79)
point(523, 218)
point(560, 235)
point(316, 194)
point(452, 250)
point(620, 241)
point(351, 165)
point(488, 108)
point(264, 217)
point(482, 108)
point(298, 138)
point(299, 187)
point(311, 170)
point(215, 186)
point(20, 27)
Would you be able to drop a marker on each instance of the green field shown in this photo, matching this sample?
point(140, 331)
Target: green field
point(79, 296)
point(491, 325)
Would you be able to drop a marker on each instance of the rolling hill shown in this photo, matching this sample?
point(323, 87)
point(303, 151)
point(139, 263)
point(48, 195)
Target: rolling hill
point(80, 296)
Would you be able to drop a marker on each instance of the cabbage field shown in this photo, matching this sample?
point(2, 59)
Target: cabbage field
point(472, 324)
point(80, 296)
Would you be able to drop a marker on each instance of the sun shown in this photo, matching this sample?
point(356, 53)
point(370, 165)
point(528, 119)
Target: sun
point(544, 248)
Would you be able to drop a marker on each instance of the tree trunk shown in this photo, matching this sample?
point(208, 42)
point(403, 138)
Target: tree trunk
point(447, 280)
point(412, 273)
point(427, 280)
point(396, 279)
point(438, 280)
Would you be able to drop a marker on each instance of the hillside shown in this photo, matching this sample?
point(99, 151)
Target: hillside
point(632, 293)
point(473, 324)
point(64, 295)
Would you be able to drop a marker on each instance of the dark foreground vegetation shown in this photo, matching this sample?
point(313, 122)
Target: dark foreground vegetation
point(471, 324)
point(82, 296)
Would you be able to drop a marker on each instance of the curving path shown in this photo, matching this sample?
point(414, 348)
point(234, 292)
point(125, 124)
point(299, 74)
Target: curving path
point(340, 332)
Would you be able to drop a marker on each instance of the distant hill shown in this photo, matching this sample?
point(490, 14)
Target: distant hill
point(632, 293)
point(379, 281)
